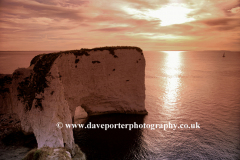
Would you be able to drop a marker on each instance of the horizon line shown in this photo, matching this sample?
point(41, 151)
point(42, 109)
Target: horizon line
point(143, 50)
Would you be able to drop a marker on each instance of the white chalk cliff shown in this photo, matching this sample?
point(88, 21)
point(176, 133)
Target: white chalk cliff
point(100, 80)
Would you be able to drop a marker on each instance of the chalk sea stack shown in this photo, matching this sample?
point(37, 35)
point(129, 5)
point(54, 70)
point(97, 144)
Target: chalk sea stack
point(100, 80)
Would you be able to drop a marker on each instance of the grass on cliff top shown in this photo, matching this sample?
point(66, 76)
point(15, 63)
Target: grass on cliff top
point(84, 51)
point(111, 49)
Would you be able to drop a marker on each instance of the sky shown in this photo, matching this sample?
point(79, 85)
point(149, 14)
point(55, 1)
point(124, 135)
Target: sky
point(152, 25)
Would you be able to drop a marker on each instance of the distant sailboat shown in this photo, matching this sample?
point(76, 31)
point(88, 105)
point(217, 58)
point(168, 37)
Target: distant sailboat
point(224, 54)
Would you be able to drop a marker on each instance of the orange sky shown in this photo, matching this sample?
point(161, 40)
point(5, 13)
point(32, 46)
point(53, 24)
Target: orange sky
point(152, 25)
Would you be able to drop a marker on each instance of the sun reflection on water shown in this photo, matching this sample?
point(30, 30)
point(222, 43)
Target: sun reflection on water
point(172, 70)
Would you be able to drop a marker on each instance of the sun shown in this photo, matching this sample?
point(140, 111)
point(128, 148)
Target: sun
point(173, 13)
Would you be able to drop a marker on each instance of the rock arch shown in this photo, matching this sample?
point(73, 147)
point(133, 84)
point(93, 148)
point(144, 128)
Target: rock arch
point(101, 80)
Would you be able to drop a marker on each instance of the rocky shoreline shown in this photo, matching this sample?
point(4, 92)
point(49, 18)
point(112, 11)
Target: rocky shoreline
point(14, 144)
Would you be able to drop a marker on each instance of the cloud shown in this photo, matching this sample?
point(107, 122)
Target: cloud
point(67, 24)
point(221, 21)
point(116, 29)
point(235, 10)
point(64, 3)
point(223, 24)
point(143, 4)
point(28, 9)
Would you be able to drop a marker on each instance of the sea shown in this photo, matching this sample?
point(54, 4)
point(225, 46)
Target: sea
point(197, 90)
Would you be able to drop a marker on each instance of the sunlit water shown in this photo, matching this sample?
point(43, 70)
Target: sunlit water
point(181, 88)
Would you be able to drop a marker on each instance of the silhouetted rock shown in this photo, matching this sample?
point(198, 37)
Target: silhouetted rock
point(101, 80)
point(5, 93)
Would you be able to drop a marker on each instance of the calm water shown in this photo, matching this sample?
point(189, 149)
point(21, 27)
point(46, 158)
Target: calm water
point(9, 61)
point(181, 88)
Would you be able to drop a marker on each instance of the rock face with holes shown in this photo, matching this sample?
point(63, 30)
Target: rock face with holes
point(100, 80)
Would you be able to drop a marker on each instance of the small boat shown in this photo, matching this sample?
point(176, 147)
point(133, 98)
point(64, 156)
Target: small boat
point(224, 54)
